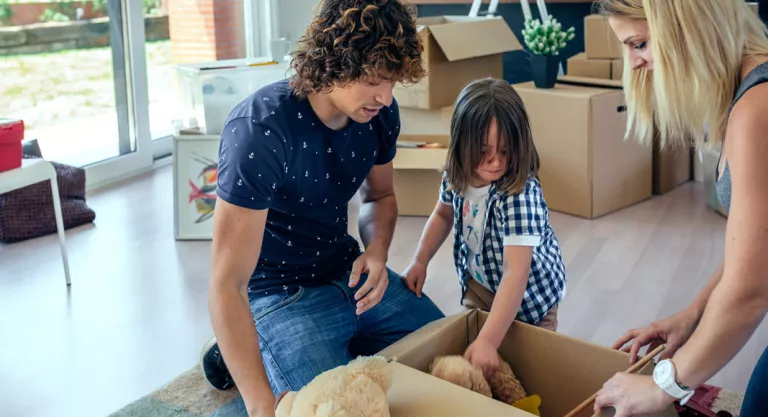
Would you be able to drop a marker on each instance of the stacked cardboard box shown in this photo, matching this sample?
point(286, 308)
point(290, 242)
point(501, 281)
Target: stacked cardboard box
point(603, 56)
point(457, 50)
point(672, 166)
point(587, 168)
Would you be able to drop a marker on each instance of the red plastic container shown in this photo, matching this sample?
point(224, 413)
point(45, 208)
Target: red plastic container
point(11, 135)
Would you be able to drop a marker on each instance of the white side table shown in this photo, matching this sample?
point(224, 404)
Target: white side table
point(31, 172)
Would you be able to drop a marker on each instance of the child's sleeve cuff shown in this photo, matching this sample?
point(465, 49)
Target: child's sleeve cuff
point(522, 240)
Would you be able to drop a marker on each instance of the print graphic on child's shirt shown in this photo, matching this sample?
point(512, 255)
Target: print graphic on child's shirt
point(474, 214)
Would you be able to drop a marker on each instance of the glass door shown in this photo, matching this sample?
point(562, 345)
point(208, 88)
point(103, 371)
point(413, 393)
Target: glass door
point(75, 73)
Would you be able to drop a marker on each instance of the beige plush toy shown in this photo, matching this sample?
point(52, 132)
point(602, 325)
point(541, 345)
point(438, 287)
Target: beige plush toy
point(503, 386)
point(358, 389)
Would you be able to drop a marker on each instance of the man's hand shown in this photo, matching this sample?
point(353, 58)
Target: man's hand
point(484, 356)
point(414, 277)
point(373, 263)
point(632, 395)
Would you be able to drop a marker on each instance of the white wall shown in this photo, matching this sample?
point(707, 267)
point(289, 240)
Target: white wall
point(292, 18)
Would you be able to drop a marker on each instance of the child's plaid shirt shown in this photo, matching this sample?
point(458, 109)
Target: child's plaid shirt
point(524, 214)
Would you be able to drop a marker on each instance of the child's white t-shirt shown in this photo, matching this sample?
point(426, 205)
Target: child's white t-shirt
point(473, 227)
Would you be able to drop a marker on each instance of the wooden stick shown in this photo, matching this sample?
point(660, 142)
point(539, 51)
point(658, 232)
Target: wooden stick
point(631, 370)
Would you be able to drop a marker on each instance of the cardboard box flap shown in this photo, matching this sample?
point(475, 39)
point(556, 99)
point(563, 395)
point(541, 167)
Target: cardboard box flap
point(473, 38)
point(423, 22)
point(411, 349)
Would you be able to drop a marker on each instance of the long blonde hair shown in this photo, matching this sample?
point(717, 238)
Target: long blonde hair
point(698, 47)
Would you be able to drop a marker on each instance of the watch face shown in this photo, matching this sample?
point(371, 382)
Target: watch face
point(663, 371)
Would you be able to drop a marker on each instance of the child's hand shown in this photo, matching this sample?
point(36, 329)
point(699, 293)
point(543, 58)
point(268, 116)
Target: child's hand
point(414, 277)
point(484, 356)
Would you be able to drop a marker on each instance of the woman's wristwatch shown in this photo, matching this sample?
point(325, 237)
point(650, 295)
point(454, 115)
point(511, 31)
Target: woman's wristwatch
point(664, 377)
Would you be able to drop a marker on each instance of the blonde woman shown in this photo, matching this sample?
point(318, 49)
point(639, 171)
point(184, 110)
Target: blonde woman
point(699, 68)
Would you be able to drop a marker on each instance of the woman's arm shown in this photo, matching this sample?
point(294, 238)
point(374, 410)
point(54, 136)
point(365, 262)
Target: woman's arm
point(739, 302)
point(672, 331)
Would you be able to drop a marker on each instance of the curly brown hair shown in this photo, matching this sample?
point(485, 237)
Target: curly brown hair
point(358, 40)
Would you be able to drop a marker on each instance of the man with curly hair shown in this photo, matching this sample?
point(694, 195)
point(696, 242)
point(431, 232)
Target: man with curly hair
point(292, 156)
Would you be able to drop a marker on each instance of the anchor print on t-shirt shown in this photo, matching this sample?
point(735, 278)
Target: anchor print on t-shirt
point(304, 173)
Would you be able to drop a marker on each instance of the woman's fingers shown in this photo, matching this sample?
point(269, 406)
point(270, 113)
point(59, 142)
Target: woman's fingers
point(624, 339)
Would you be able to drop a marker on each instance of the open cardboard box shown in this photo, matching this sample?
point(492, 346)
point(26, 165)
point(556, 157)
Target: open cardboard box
point(457, 50)
point(418, 171)
point(562, 370)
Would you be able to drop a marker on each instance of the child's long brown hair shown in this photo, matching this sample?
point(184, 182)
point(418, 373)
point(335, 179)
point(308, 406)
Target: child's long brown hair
point(481, 103)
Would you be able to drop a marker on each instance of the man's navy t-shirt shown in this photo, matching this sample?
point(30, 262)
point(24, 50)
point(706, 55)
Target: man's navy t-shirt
point(276, 154)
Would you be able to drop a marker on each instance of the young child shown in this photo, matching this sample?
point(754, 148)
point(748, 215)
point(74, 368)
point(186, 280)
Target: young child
point(505, 251)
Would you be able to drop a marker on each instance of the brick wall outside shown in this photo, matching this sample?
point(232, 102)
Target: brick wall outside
point(206, 30)
point(29, 13)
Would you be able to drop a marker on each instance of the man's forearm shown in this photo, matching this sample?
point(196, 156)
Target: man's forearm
point(237, 338)
point(377, 222)
point(732, 314)
point(506, 305)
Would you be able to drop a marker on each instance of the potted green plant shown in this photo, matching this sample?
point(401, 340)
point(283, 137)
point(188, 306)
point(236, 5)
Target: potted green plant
point(545, 40)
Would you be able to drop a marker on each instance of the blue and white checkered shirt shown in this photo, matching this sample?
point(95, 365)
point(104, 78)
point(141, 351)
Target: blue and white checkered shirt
point(511, 216)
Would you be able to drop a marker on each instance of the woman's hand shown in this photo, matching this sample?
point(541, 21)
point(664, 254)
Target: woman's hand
point(414, 277)
point(673, 331)
point(484, 356)
point(632, 395)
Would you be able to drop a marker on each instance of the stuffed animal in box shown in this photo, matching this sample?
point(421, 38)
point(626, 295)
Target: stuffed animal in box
point(503, 386)
point(358, 389)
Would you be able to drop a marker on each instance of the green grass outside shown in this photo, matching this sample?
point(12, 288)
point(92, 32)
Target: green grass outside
point(49, 88)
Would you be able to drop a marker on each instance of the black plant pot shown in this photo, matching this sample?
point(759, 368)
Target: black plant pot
point(545, 68)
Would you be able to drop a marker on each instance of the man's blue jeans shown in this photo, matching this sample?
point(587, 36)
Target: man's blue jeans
point(756, 399)
point(305, 331)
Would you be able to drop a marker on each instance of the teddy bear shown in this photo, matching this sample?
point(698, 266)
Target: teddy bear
point(503, 385)
point(357, 389)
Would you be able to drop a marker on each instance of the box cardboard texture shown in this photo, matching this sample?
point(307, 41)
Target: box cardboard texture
point(599, 39)
point(672, 167)
point(563, 371)
point(418, 172)
point(457, 50)
point(587, 169)
point(617, 69)
point(581, 66)
point(607, 69)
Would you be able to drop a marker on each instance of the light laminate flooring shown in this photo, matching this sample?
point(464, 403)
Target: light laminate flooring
point(136, 314)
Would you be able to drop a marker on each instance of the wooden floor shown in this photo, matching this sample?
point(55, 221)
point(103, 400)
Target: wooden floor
point(136, 314)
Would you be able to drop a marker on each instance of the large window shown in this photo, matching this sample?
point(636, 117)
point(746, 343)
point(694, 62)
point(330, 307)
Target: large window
point(95, 80)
